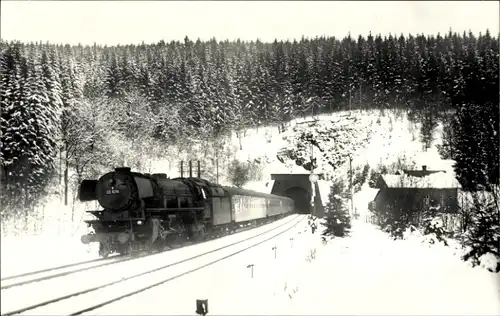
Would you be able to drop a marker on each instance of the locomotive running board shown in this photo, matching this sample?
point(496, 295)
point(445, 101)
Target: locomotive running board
point(176, 209)
point(93, 221)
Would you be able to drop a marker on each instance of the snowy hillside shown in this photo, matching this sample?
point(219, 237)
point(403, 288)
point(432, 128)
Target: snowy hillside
point(359, 134)
point(368, 135)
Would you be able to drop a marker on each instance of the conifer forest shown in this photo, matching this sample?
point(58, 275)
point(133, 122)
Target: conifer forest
point(61, 104)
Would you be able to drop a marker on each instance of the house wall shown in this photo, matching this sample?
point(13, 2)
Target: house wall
point(416, 200)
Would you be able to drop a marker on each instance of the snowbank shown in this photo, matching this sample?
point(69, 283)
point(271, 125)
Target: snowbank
point(372, 274)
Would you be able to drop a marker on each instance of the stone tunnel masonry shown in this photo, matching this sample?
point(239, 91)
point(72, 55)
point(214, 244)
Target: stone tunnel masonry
point(298, 187)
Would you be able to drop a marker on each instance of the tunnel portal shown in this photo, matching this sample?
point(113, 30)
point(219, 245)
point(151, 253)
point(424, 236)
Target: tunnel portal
point(302, 199)
point(298, 188)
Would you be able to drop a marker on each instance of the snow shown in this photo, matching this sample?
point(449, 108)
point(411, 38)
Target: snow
point(22, 255)
point(437, 180)
point(372, 274)
point(366, 273)
point(16, 298)
point(228, 294)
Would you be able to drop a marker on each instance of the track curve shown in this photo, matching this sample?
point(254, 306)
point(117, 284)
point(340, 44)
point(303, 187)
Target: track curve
point(141, 277)
point(72, 268)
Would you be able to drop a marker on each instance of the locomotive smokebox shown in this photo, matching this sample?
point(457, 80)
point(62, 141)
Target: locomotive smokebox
point(122, 189)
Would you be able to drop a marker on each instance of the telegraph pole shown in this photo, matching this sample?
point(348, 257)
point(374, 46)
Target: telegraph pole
point(313, 179)
point(217, 169)
point(350, 112)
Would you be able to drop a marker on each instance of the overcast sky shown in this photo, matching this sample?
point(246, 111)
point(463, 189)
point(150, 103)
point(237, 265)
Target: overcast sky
point(124, 22)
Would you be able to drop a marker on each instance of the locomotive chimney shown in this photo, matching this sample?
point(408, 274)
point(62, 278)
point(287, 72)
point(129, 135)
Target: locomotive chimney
point(123, 169)
point(199, 170)
point(190, 169)
point(182, 169)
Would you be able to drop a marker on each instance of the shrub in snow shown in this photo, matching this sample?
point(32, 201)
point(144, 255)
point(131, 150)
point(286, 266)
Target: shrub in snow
point(411, 232)
point(338, 221)
point(483, 236)
point(394, 222)
point(434, 231)
point(239, 173)
point(432, 225)
point(396, 229)
point(311, 255)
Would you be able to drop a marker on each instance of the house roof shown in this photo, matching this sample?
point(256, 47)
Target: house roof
point(420, 173)
point(434, 181)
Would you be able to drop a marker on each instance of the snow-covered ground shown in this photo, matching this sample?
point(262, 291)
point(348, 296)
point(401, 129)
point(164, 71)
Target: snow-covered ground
point(17, 297)
point(369, 273)
point(366, 273)
point(229, 285)
point(21, 255)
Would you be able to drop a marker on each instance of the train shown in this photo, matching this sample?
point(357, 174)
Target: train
point(148, 212)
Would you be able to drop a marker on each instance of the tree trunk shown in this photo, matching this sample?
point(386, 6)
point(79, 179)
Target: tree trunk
point(60, 165)
point(66, 167)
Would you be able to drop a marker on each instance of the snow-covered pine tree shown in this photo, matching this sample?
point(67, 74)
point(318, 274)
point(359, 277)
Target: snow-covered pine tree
point(13, 120)
point(30, 124)
point(43, 100)
point(337, 218)
point(113, 81)
point(483, 237)
point(432, 225)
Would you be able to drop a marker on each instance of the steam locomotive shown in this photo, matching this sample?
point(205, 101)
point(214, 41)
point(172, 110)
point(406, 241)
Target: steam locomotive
point(149, 211)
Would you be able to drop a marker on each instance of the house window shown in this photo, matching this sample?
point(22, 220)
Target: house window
point(426, 201)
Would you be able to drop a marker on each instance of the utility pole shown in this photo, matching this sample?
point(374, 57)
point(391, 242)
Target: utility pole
point(350, 100)
point(360, 99)
point(313, 179)
point(217, 169)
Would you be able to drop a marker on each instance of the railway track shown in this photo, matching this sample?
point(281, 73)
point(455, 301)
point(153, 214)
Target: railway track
point(110, 285)
point(57, 272)
point(68, 269)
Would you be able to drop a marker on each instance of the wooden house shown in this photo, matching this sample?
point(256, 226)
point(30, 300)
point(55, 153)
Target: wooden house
point(413, 191)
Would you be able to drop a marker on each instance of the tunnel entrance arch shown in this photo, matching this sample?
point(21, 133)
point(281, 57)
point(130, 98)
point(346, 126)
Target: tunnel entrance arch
point(302, 199)
point(298, 188)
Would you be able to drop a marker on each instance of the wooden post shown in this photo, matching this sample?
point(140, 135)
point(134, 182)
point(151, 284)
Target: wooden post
point(199, 170)
point(251, 269)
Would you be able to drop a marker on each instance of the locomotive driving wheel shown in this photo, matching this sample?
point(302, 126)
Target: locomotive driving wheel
point(104, 250)
point(201, 234)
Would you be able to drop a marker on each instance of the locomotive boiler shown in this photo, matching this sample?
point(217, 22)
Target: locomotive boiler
point(150, 211)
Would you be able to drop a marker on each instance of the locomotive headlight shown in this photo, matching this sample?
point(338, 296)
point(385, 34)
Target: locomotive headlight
point(139, 222)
